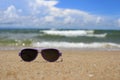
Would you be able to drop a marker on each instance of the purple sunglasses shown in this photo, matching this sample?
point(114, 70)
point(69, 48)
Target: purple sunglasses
point(50, 54)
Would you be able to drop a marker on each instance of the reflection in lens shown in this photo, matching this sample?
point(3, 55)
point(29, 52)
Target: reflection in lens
point(28, 54)
point(50, 55)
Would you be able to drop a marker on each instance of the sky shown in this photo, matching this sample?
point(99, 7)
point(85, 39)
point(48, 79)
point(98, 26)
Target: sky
point(68, 14)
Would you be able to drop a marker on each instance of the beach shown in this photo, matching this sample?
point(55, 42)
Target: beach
point(76, 65)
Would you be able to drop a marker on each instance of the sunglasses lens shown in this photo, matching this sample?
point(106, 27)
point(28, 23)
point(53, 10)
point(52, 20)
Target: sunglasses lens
point(28, 54)
point(50, 55)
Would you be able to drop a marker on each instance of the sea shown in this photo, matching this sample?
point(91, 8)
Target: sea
point(60, 38)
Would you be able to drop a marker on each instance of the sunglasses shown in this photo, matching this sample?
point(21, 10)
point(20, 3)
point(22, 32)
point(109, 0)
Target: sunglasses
point(50, 55)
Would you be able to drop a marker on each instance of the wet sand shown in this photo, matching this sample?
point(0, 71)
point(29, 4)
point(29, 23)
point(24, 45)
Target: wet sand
point(76, 65)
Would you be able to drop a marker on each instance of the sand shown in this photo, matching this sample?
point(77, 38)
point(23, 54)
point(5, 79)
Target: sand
point(76, 65)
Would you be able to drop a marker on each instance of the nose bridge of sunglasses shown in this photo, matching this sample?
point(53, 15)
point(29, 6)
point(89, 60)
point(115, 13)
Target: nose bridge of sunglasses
point(60, 53)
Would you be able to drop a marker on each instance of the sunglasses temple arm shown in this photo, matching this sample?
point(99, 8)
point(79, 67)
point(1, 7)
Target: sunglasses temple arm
point(19, 53)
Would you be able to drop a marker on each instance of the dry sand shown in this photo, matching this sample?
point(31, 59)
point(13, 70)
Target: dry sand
point(76, 65)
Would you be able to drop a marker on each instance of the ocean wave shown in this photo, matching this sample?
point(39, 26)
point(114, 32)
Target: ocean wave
point(74, 33)
point(76, 45)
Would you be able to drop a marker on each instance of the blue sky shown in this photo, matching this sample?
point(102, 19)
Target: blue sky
point(102, 7)
point(76, 14)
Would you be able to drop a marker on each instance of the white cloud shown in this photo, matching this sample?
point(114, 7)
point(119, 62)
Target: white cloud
point(41, 6)
point(45, 13)
point(118, 22)
point(11, 12)
point(9, 15)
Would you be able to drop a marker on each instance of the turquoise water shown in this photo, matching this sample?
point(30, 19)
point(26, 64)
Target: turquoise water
point(60, 38)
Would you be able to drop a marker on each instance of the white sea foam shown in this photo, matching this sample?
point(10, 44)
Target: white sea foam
point(76, 45)
point(74, 33)
point(97, 35)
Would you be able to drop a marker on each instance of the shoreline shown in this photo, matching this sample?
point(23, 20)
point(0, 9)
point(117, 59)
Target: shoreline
point(39, 48)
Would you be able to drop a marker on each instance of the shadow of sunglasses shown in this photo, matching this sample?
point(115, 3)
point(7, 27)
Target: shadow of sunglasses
point(50, 55)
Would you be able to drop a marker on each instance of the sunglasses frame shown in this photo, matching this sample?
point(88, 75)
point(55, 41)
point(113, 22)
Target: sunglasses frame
point(40, 51)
